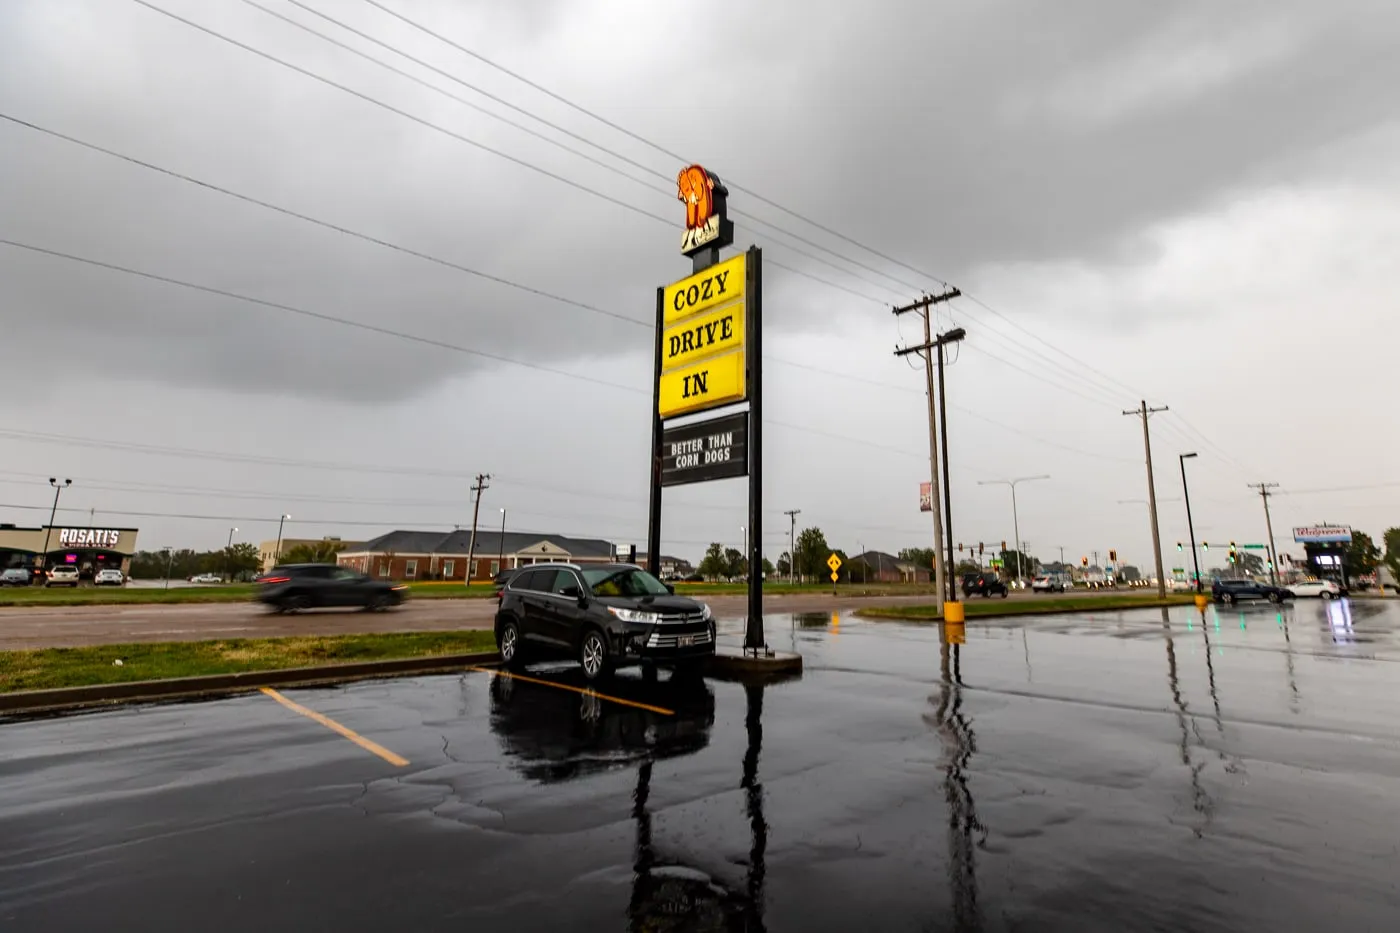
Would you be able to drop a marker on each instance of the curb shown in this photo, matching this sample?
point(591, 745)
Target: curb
point(880, 614)
point(140, 691)
point(742, 668)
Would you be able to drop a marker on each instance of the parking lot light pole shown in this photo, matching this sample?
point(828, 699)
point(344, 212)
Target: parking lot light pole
point(1015, 521)
point(228, 554)
point(1190, 528)
point(169, 565)
point(57, 488)
point(501, 557)
point(277, 556)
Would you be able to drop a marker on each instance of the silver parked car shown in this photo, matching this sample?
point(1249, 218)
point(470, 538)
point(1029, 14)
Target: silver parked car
point(16, 576)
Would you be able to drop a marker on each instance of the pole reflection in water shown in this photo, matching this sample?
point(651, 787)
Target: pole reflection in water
point(955, 731)
point(1201, 802)
point(1210, 672)
point(1288, 654)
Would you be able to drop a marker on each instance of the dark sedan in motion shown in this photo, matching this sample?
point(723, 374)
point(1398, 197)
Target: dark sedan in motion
point(294, 587)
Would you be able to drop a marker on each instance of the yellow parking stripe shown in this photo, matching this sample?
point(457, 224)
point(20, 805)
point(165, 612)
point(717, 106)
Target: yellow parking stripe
point(334, 726)
point(591, 693)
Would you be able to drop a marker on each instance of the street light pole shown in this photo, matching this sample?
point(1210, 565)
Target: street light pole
point(277, 556)
point(501, 558)
point(1015, 520)
point(169, 564)
point(1190, 528)
point(57, 488)
point(228, 554)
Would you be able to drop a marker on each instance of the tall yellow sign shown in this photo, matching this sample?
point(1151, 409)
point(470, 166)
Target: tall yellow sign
point(703, 341)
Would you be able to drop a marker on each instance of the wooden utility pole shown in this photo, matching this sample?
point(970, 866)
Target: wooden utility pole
point(1143, 412)
point(1269, 524)
point(480, 487)
point(925, 350)
point(792, 543)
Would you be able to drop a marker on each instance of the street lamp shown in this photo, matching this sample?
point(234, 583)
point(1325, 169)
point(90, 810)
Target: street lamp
point(169, 564)
point(228, 554)
point(57, 488)
point(1190, 528)
point(501, 558)
point(1015, 522)
point(277, 556)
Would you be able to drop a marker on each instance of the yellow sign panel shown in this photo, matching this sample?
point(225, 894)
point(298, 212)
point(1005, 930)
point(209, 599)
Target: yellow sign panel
point(703, 335)
point(834, 563)
point(709, 288)
point(835, 576)
point(714, 382)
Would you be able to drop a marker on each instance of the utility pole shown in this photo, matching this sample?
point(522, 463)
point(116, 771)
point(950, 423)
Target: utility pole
point(923, 305)
point(1144, 412)
point(480, 487)
point(1269, 523)
point(1062, 557)
point(792, 543)
point(951, 336)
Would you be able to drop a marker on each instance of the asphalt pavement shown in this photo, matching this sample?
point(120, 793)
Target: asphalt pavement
point(1153, 769)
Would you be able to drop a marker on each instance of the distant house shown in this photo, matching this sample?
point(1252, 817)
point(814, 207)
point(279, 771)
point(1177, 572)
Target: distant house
point(435, 555)
point(677, 567)
point(879, 567)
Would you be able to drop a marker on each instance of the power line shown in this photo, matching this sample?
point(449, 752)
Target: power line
point(665, 192)
point(642, 139)
point(368, 238)
point(455, 135)
point(318, 315)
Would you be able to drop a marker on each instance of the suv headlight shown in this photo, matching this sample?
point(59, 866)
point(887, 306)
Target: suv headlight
point(635, 615)
point(705, 613)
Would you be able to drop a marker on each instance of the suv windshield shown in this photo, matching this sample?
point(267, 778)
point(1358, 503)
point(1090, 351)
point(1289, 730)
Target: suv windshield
point(625, 581)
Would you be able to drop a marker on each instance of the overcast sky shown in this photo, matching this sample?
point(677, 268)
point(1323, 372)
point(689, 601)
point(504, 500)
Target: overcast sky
point(1193, 203)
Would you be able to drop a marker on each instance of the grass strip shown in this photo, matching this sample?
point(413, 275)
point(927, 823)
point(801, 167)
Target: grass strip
point(999, 607)
point(80, 667)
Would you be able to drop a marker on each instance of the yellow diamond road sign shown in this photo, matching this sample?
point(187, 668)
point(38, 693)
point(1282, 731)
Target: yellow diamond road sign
point(834, 563)
point(835, 576)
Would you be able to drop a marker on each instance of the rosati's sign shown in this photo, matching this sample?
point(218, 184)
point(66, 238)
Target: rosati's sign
point(704, 198)
point(1321, 534)
point(704, 318)
point(88, 537)
point(706, 450)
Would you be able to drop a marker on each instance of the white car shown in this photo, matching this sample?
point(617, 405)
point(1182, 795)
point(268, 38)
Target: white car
point(1325, 589)
point(206, 578)
point(1048, 584)
point(109, 576)
point(62, 576)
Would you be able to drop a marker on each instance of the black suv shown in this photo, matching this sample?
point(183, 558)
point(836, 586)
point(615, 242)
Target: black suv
point(293, 587)
point(1231, 591)
point(984, 584)
point(605, 615)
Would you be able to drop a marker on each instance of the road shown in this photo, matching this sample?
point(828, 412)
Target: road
point(74, 626)
point(1112, 771)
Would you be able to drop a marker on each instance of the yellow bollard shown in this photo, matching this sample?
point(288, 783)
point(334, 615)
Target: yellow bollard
point(1202, 601)
point(953, 633)
point(953, 612)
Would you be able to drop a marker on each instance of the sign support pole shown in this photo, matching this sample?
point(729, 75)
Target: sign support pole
point(754, 639)
point(654, 509)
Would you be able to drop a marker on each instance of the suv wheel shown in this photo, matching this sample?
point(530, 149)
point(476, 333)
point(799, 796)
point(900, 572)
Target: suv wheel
point(1275, 598)
point(377, 603)
point(593, 655)
point(295, 603)
point(1004, 592)
point(1227, 598)
point(508, 644)
point(1326, 594)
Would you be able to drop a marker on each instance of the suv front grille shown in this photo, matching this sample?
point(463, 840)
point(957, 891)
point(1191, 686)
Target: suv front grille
point(677, 618)
point(701, 637)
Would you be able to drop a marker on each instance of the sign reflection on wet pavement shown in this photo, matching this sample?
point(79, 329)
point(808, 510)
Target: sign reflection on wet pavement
point(1157, 769)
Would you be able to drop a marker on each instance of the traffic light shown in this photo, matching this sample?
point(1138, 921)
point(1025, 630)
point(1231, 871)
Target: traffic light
point(1113, 555)
point(1003, 546)
point(979, 549)
point(1178, 545)
point(959, 548)
point(1232, 547)
point(1084, 561)
point(1205, 545)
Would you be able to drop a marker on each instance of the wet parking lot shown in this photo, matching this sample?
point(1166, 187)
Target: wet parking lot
point(1237, 770)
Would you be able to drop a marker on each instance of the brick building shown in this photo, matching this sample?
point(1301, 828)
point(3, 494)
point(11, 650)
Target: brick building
point(435, 555)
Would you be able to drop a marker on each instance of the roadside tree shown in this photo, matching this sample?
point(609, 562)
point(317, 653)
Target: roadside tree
point(735, 567)
point(713, 566)
point(812, 552)
point(319, 552)
point(1361, 555)
point(1392, 552)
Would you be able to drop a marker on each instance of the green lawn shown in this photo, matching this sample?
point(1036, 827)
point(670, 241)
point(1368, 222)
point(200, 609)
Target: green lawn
point(77, 667)
point(1012, 607)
